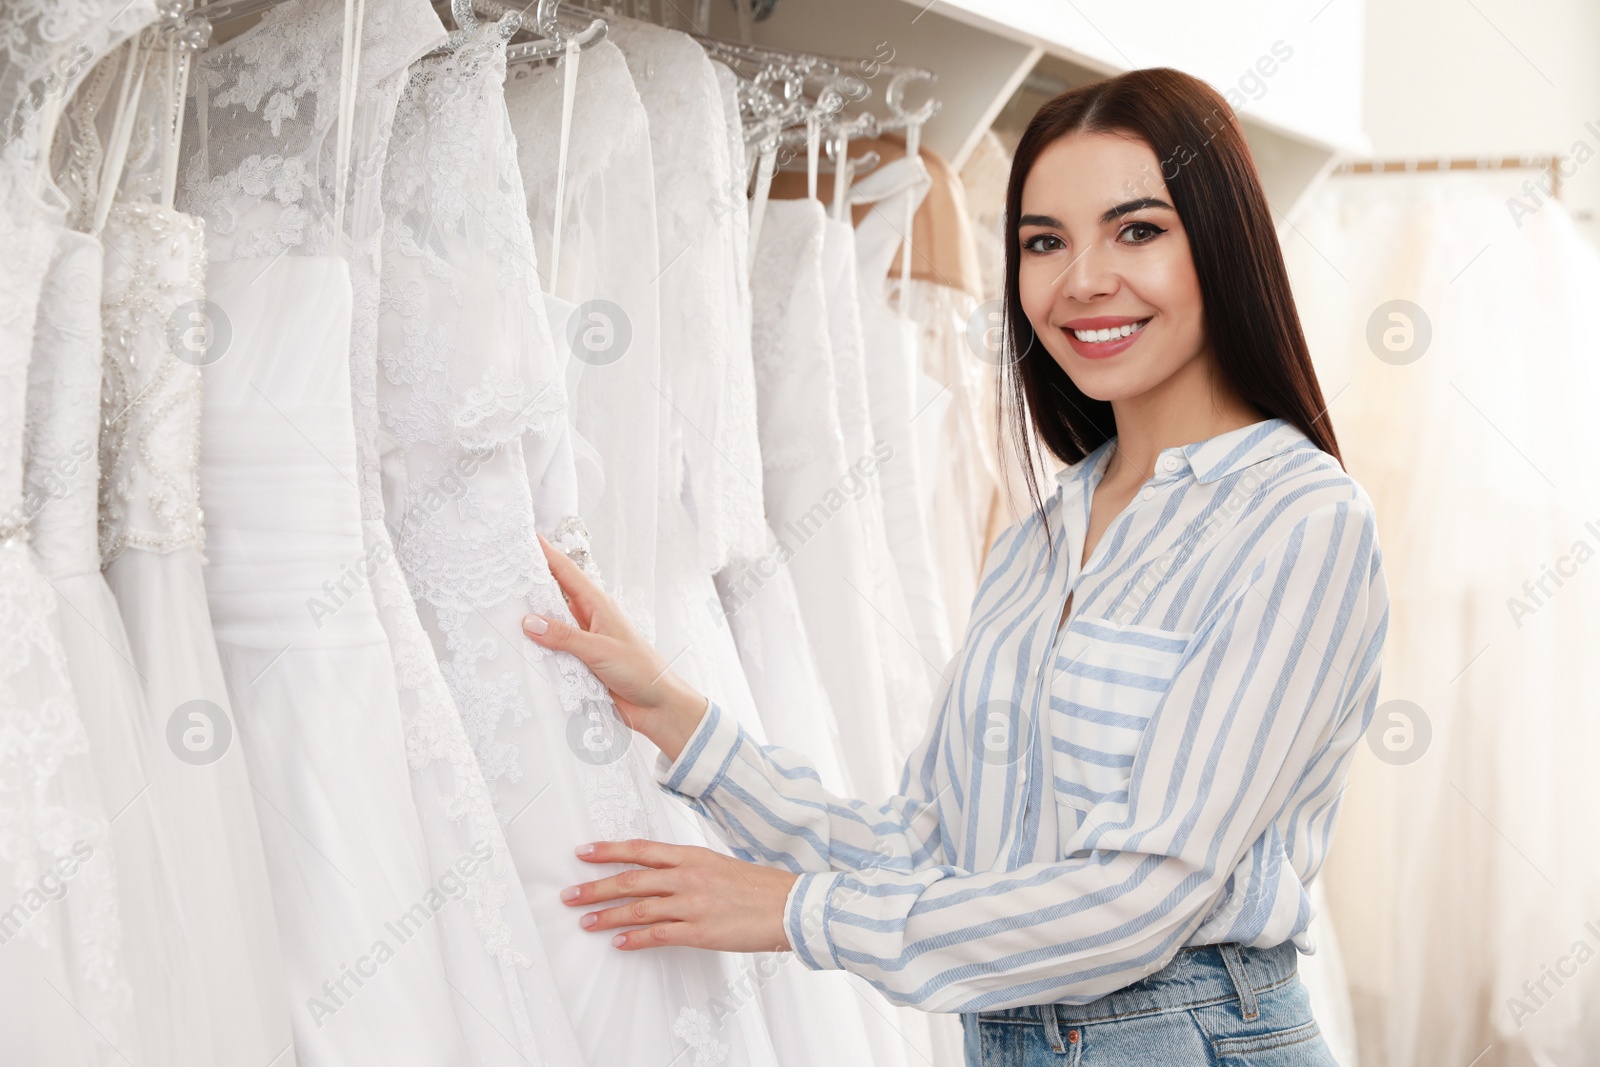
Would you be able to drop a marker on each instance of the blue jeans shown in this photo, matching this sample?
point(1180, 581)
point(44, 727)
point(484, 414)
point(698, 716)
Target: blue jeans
point(1217, 1005)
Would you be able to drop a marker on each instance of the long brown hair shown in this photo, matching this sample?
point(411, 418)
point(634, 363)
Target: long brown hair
point(1250, 314)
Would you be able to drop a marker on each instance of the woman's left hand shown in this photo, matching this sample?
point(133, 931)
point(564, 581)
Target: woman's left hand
point(687, 896)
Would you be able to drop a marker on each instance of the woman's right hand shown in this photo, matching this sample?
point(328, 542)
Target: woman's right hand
point(650, 697)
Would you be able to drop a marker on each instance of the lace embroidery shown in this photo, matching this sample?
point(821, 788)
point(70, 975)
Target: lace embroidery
point(695, 1029)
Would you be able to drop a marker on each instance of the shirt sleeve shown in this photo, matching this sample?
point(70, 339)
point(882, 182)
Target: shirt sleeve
point(1259, 697)
point(772, 808)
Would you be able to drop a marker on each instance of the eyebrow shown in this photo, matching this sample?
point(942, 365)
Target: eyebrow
point(1110, 215)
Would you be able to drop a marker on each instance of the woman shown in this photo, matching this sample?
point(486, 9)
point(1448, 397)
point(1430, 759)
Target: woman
point(1101, 849)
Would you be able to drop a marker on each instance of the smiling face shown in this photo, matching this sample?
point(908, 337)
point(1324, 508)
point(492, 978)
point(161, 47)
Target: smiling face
point(1103, 253)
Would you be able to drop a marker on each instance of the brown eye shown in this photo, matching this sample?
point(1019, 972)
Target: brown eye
point(1034, 243)
point(1153, 230)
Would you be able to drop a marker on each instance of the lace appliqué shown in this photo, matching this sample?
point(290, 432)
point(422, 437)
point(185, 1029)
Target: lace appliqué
point(694, 1027)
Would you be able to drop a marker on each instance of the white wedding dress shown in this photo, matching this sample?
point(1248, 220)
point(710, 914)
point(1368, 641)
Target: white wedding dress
point(468, 374)
point(494, 958)
point(202, 853)
point(907, 675)
point(609, 250)
point(900, 415)
point(807, 485)
point(62, 970)
point(291, 573)
point(62, 470)
point(607, 331)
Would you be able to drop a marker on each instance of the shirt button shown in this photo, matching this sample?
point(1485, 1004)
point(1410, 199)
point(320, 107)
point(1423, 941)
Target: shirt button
point(1149, 491)
point(1170, 463)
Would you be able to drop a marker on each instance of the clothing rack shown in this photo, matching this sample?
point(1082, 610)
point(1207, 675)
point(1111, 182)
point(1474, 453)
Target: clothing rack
point(1552, 163)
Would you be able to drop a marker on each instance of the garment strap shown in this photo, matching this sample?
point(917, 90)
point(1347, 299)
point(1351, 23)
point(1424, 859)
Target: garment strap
point(121, 133)
point(913, 151)
point(758, 206)
point(813, 149)
point(569, 96)
point(349, 75)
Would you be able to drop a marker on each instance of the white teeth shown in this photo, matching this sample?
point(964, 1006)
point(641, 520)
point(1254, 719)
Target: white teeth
point(1108, 335)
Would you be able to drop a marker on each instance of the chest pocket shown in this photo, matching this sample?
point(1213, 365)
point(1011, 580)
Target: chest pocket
point(1107, 680)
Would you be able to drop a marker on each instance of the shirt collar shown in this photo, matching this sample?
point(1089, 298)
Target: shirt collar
point(1209, 460)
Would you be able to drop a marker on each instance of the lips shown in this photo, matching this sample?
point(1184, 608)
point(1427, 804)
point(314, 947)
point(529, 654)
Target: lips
point(1108, 348)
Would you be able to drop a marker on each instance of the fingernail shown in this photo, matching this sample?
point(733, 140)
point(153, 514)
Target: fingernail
point(588, 920)
point(570, 893)
point(585, 850)
point(620, 940)
point(534, 624)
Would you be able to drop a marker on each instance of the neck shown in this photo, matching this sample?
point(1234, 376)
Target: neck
point(1193, 404)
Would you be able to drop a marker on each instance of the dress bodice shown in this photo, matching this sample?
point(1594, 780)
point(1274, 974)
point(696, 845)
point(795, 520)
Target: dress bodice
point(158, 332)
point(259, 139)
point(64, 411)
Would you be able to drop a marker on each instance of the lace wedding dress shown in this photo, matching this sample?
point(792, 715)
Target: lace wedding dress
point(62, 473)
point(468, 376)
point(187, 831)
point(62, 970)
point(364, 906)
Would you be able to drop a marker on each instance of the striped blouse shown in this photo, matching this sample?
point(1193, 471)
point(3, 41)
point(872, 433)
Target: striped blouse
point(1163, 771)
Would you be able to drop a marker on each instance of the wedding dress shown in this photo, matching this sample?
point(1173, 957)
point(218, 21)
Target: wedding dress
point(198, 849)
point(62, 473)
point(609, 250)
point(955, 436)
point(607, 331)
point(494, 958)
point(807, 484)
point(708, 378)
point(900, 414)
point(290, 579)
point(1412, 292)
point(62, 975)
point(906, 674)
point(468, 374)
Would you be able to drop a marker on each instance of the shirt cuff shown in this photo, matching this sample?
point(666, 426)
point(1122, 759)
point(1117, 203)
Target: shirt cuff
point(705, 756)
point(807, 916)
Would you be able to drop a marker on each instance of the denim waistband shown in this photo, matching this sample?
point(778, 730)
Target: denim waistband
point(1197, 976)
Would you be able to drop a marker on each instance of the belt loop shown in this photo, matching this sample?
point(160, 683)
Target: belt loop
point(1241, 981)
point(1052, 1027)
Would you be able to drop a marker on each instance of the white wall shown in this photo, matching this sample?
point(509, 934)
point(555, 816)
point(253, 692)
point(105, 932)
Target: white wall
point(1501, 77)
point(1314, 93)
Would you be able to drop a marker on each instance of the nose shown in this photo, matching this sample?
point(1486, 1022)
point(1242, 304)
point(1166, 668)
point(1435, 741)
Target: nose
point(1086, 277)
